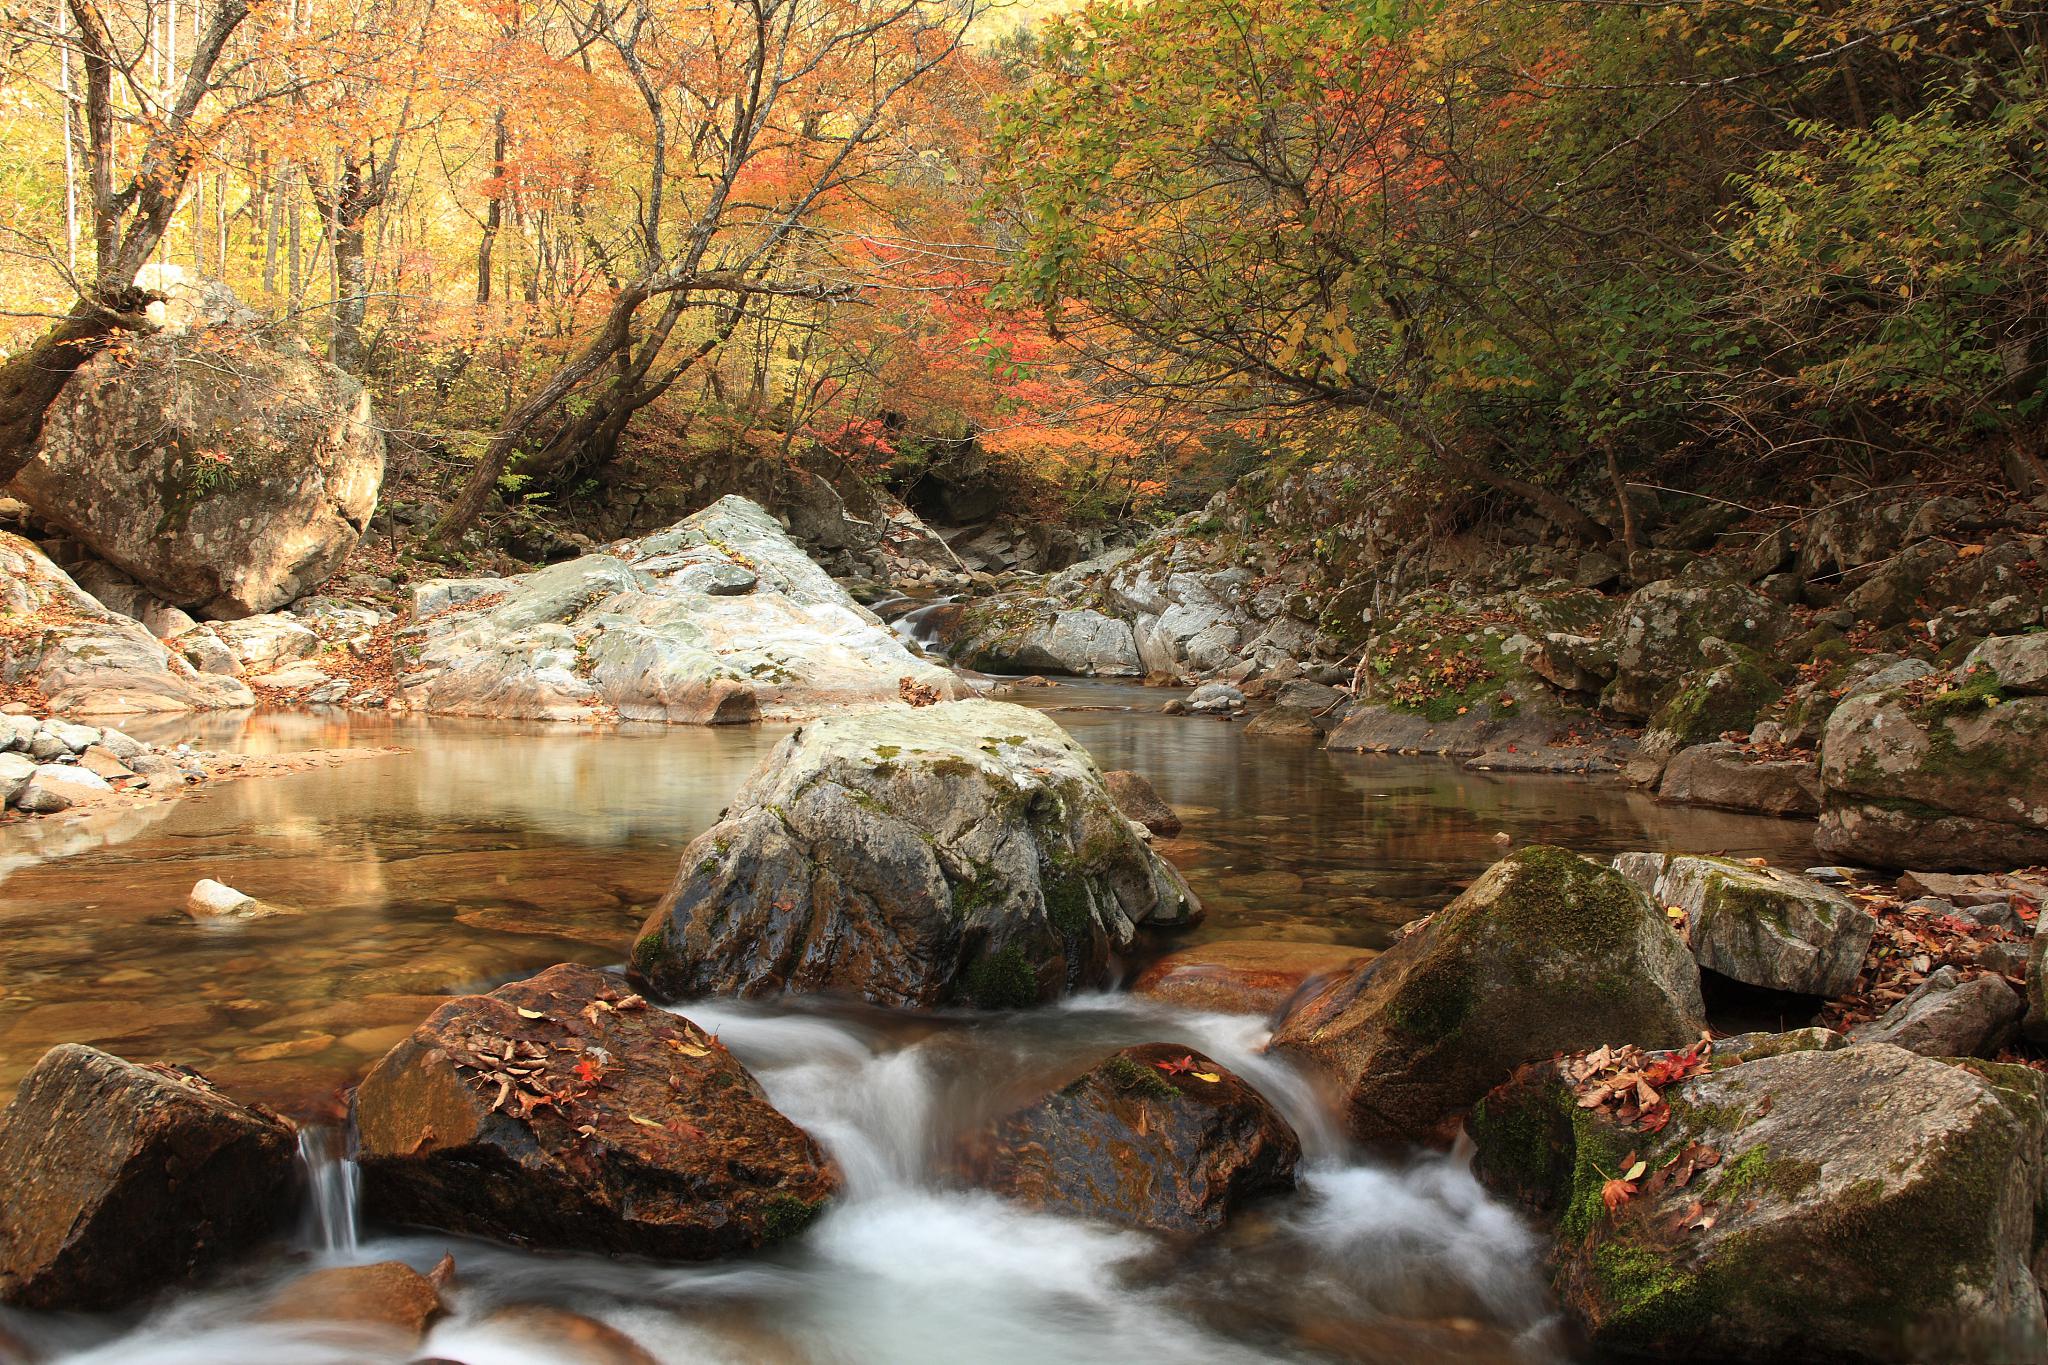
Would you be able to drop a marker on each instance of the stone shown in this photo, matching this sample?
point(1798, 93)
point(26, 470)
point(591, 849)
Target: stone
point(1029, 635)
point(2020, 663)
point(260, 644)
point(1252, 977)
point(1660, 629)
point(383, 1294)
point(101, 763)
point(214, 901)
point(121, 1179)
point(612, 1126)
point(1285, 722)
point(87, 660)
point(1725, 777)
point(570, 1337)
point(225, 469)
point(1748, 1047)
point(964, 853)
point(1215, 699)
point(1945, 782)
point(75, 738)
point(1868, 1203)
point(1707, 705)
point(120, 745)
point(1138, 799)
point(55, 787)
point(624, 633)
point(15, 772)
point(1949, 1015)
point(1571, 663)
point(1547, 952)
point(1173, 1150)
point(439, 594)
point(1761, 925)
point(47, 746)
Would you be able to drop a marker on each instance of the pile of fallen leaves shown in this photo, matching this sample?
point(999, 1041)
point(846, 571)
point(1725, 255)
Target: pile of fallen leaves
point(1627, 1084)
point(1637, 1180)
point(917, 693)
point(1910, 945)
point(1189, 1067)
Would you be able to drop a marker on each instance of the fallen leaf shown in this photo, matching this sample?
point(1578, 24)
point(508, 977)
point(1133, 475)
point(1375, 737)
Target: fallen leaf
point(1635, 1172)
point(1617, 1192)
point(1209, 1076)
point(531, 1014)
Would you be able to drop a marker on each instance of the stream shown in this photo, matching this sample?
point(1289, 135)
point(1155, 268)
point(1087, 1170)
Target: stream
point(485, 851)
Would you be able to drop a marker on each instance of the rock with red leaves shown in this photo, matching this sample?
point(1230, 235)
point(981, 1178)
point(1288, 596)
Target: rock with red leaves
point(564, 1111)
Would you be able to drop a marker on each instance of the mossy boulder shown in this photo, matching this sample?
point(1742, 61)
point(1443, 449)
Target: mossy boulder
point(1708, 704)
point(1039, 635)
point(1760, 925)
point(564, 1112)
point(1660, 630)
point(1945, 777)
point(1547, 952)
point(1156, 1137)
point(1859, 1204)
point(966, 853)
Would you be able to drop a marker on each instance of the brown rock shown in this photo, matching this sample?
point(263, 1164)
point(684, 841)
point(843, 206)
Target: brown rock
point(1140, 801)
point(1245, 977)
point(120, 1178)
point(99, 760)
point(572, 1336)
point(563, 1111)
point(1171, 1151)
point(387, 1294)
point(1722, 776)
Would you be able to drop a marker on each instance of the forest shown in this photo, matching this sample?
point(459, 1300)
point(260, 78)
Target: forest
point(893, 682)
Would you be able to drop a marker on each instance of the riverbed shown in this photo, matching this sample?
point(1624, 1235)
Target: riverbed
point(484, 851)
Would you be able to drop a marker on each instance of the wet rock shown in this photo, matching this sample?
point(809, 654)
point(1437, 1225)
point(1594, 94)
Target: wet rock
point(1029, 635)
point(87, 660)
point(1866, 1203)
point(635, 632)
point(122, 1178)
point(962, 853)
point(56, 787)
point(286, 487)
point(1948, 781)
point(1138, 799)
point(1725, 777)
point(568, 1336)
point(212, 900)
point(563, 1112)
point(1949, 1016)
point(1547, 952)
point(1761, 925)
point(1254, 977)
point(388, 1294)
point(1174, 1150)
point(1290, 722)
point(1659, 633)
point(1215, 699)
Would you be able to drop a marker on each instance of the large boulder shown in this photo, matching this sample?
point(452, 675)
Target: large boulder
point(1760, 925)
point(59, 641)
point(225, 467)
point(719, 618)
point(961, 853)
point(564, 1111)
point(1864, 1204)
point(1659, 633)
point(122, 1178)
point(1547, 952)
point(1156, 1137)
point(1949, 1015)
point(1936, 775)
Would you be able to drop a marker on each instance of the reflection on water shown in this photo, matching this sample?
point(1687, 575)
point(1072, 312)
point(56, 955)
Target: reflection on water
point(488, 850)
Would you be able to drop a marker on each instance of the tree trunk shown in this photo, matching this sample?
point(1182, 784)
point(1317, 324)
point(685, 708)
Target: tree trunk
point(351, 298)
point(494, 215)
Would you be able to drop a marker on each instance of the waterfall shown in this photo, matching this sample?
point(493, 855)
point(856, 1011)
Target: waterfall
point(331, 1187)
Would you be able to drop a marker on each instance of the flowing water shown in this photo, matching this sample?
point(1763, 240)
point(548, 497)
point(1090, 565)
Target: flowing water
point(486, 851)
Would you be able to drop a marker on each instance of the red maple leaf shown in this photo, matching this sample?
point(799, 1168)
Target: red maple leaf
point(1180, 1068)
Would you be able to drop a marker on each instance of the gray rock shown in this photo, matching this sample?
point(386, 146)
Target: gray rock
point(1724, 777)
point(1547, 952)
point(962, 853)
point(1659, 632)
point(1750, 1047)
point(15, 772)
point(1034, 635)
point(626, 633)
point(296, 463)
point(1948, 782)
point(2020, 661)
point(1764, 926)
point(1574, 663)
point(47, 746)
point(439, 594)
point(119, 745)
point(1212, 699)
point(1948, 1016)
point(1867, 1204)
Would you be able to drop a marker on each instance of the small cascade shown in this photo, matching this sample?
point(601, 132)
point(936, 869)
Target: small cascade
point(919, 626)
point(332, 1184)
